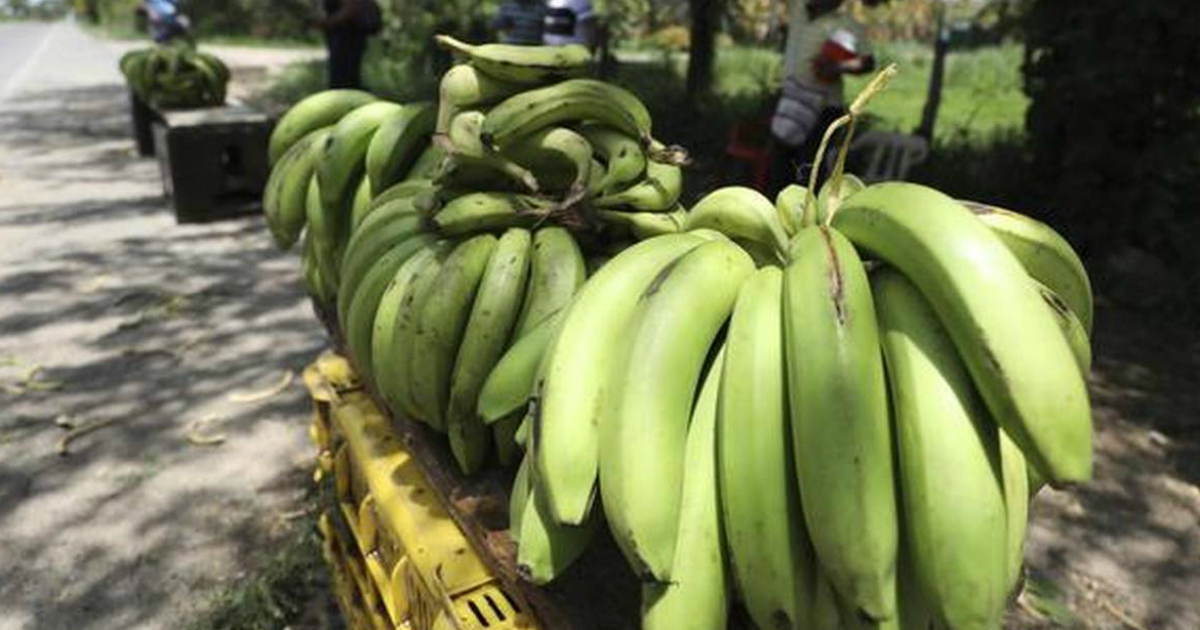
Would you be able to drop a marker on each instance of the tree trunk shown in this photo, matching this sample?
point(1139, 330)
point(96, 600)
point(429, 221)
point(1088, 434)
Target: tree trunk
point(933, 99)
point(705, 15)
point(651, 17)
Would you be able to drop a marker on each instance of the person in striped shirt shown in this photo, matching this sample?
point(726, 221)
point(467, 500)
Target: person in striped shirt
point(521, 22)
point(822, 47)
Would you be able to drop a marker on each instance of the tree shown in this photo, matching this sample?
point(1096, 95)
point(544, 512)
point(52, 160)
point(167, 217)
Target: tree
point(706, 15)
point(1114, 121)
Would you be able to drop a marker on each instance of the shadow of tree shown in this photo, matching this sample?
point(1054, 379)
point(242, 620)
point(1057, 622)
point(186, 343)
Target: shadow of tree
point(112, 313)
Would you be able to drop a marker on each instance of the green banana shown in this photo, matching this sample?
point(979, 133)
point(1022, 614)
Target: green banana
point(643, 425)
point(841, 433)
point(658, 191)
point(596, 175)
point(570, 396)
point(427, 164)
point(522, 64)
point(644, 225)
point(1017, 493)
point(510, 383)
point(740, 212)
point(342, 163)
point(561, 158)
point(394, 147)
point(1072, 329)
point(697, 595)
point(322, 109)
point(790, 204)
point(520, 115)
point(949, 460)
point(338, 170)
point(547, 547)
point(517, 497)
point(395, 328)
point(1081, 348)
point(384, 229)
point(492, 317)
point(287, 189)
point(556, 272)
point(770, 554)
point(440, 325)
point(624, 158)
point(407, 188)
point(360, 204)
point(482, 211)
point(472, 164)
point(464, 87)
point(521, 437)
point(984, 298)
point(358, 326)
point(314, 284)
point(1046, 256)
point(324, 249)
point(832, 194)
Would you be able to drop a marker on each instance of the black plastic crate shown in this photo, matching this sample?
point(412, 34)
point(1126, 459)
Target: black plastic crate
point(213, 161)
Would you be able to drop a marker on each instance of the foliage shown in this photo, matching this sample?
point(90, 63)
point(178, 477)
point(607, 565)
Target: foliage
point(981, 95)
point(32, 9)
point(1114, 122)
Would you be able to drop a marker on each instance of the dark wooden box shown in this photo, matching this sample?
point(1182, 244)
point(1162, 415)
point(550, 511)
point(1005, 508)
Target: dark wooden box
point(142, 117)
point(213, 161)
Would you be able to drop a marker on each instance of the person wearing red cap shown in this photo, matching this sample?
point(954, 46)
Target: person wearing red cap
point(822, 47)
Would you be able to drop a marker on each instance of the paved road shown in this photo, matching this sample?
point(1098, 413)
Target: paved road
point(112, 314)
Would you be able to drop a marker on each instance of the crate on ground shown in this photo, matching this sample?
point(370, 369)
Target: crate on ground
point(398, 557)
point(213, 161)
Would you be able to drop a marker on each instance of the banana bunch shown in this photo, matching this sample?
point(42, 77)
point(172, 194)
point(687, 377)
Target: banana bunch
point(837, 406)
point(448, 236)
point(175, 76)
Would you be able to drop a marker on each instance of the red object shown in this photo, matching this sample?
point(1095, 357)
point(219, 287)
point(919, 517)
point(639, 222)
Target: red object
point(840, 46)
point(749, 142)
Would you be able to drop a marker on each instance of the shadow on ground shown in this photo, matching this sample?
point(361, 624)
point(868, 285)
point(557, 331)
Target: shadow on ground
point(110, 313)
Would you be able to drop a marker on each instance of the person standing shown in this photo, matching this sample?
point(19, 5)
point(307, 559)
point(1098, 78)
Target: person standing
point(521, 22)
point(166, 21)
point(822, 47)
point(347, 25)
point(570, 22)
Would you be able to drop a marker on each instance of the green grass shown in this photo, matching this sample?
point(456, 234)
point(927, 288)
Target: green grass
point(981, 92)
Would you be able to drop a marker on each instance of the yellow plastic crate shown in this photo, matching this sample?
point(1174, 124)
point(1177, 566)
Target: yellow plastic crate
point(406, 559)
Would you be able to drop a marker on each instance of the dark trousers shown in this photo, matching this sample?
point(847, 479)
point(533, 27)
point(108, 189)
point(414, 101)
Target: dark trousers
point(346, 49)
point(792, 165)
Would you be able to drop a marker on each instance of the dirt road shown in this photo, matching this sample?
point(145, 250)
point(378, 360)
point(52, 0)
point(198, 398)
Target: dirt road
point(110, 313)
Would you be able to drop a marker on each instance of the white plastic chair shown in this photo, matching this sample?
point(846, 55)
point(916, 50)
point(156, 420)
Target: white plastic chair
point(891, 154)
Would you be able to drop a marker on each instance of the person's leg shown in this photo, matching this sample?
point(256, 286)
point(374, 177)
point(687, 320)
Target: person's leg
point(357, 45)
point(343, 63)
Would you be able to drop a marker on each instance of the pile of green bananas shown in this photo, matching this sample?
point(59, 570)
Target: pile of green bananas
point(835, 405)
point(442, 233)
point(175, 76)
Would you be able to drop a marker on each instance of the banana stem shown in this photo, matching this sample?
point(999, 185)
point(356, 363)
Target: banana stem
point(810, 200)
point(877, 84)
